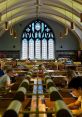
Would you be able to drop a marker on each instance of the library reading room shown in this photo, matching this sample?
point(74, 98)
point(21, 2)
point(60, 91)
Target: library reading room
point(40, 58)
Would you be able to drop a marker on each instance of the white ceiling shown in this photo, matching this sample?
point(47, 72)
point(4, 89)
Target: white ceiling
point(62, 11)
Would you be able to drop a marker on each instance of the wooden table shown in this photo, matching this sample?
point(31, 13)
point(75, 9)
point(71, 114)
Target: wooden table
point(37, 99)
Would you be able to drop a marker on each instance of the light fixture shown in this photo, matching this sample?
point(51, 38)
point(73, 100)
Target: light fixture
point(0, 16)
point(11, 31)
point(11, 27)
point(72, 22)
point(6, 25)
point(14, 34)
point(38, 5)
point(66, 31)
point(72, 26)
point(66, 28)
point(80, 17)
point(6, 22)
point(14, 29)
point(61, 35)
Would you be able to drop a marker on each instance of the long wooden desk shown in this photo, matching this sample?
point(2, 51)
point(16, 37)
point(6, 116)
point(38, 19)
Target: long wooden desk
point(37, 103)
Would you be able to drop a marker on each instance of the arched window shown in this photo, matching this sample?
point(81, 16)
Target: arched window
point(38, 41)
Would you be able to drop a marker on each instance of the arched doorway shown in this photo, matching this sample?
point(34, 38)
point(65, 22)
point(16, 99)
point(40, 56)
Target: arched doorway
point(38, 41)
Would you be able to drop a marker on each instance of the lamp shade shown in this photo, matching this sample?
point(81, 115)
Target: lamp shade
point(6, 25)
point(66, 31)
point(15, 34)
point(80, 17)
point(0, 16)
point(72, 25)
point(11, 31)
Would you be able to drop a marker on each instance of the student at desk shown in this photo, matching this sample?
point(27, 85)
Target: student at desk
point(40, 70)
point(5, 82)
point(1, 71)
point(76, 85)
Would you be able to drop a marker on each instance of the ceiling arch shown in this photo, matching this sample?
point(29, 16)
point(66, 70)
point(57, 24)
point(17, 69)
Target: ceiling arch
point(62, 11)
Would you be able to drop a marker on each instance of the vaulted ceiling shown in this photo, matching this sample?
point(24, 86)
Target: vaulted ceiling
point(62, 11)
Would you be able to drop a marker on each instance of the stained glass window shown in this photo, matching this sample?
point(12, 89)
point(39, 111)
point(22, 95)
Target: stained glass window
point(38, 41)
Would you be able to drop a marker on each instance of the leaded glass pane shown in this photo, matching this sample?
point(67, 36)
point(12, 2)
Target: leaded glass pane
point(37, 26)
point(24, 49)
point(37, 49)
point(44, 49)
point(31, 49)
point(50, 49)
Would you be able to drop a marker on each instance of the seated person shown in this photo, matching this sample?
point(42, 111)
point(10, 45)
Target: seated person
point(5, 82)
point(1, 71)
point(14, 63)
point(76, 85)
point(12, 76)
point(40, 70)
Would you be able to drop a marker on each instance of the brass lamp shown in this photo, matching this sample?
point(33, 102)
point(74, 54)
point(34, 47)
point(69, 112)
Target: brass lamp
point(6, 25)
point(80, 17)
